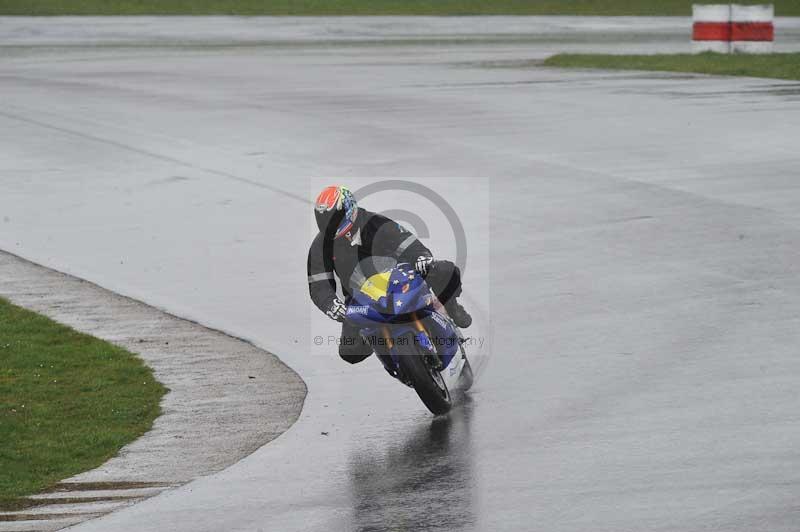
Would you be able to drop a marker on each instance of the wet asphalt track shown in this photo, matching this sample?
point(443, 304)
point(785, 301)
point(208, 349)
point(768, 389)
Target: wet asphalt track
point(643, 265)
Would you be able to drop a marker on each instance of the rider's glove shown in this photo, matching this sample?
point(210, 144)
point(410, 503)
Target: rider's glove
point(337, 310)
point(422, 264)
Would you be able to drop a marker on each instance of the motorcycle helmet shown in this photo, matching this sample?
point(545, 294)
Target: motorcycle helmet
point(336, 211)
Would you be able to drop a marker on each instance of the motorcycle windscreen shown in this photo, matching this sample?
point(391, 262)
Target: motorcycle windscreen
point(398, 290)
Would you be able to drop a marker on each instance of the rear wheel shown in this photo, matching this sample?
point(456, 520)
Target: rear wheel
point(428, 382)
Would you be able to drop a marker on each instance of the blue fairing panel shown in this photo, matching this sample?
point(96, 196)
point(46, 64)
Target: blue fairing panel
point(442, 335)
point(396, 298)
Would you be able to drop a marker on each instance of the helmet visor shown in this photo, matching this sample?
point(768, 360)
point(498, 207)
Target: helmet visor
point(328, 221)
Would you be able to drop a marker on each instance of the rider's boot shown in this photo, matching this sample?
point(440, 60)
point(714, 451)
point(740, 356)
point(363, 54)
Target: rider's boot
point(458, 313)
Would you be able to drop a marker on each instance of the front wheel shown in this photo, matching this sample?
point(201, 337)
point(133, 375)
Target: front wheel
point(428, 382)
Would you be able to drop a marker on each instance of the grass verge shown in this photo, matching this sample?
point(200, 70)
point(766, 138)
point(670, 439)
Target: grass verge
point(361, 7)
point(778, 66)
point(68, 402)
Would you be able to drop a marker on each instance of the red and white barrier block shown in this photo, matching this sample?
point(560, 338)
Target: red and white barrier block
point(752, 29)
point(734, 28)
point(711, 31)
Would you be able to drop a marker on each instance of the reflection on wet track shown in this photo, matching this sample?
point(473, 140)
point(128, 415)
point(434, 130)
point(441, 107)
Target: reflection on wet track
point(425, 482)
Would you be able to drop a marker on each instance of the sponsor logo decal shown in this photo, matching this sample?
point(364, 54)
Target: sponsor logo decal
point(440, 320)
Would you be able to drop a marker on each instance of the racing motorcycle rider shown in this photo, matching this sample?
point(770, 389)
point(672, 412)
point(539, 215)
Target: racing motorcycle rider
point(348, 238)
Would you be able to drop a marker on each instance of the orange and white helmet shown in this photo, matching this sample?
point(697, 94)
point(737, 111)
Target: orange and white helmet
point(336, 211)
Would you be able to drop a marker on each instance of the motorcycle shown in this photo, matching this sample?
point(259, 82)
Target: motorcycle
point(411, 334)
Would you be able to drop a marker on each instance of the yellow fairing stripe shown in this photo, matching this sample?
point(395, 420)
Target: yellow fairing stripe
point(376, 286)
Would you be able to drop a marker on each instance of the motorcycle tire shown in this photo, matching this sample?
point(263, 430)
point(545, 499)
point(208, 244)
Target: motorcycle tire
point(428, 383)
